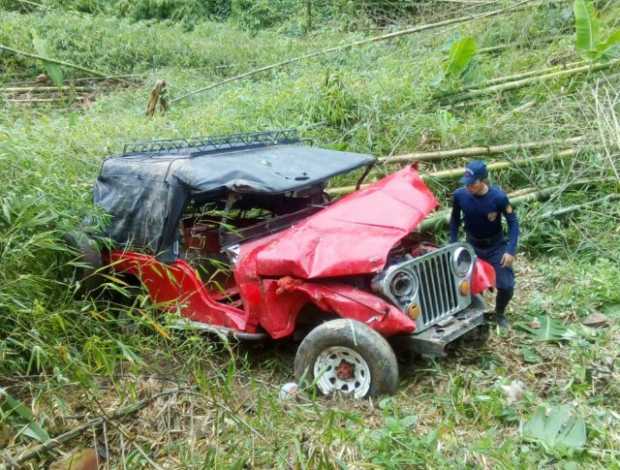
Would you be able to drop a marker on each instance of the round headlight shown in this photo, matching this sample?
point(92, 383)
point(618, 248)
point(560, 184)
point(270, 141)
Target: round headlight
point(403, 284)
point(462, 261)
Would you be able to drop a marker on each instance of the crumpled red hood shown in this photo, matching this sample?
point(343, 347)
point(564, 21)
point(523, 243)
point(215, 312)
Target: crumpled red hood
point(352, 236)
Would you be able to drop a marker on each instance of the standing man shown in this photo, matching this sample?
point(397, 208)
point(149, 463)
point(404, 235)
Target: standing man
point(482, 206)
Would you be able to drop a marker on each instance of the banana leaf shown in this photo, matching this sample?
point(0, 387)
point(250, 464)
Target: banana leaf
point(557, 429)
point(461, 54)
point(550, 329)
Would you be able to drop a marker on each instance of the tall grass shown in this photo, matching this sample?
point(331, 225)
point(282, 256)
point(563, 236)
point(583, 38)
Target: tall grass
point(117, 45)
point(378, 99)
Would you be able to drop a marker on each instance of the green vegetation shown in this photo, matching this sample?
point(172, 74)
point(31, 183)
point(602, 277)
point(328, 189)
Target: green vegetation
point(62, 356)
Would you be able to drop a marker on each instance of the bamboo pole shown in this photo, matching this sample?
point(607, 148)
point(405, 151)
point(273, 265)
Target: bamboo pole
point(576, 207)
point(43, 100)
point(442, 218)
point(528, 81)
point(531, 73)
point(457, 172)
point(42, 89)
point(384, 37)
point(452, 173)
point(512, 78)
point(478, 151)
point(52, 61)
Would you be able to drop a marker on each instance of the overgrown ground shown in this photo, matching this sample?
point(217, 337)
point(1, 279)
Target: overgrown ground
point(67, 359)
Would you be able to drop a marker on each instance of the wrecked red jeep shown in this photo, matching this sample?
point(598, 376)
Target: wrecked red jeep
point(238, 235)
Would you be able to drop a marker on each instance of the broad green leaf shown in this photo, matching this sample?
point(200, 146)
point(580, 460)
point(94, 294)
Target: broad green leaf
point(32, 429)
point(612, 40)
point(530, 356)
point(461, 54)
point(53, 70)
point(587, 27)
point(550, 329)
point(557, 429)
point(55, 73)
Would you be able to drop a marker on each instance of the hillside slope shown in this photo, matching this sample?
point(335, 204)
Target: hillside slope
point(67, 359)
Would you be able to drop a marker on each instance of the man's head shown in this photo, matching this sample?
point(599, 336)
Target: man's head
point(475, 177)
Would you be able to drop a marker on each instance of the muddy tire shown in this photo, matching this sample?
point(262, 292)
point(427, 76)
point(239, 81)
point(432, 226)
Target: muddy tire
point(88, 264)
point(347, 357)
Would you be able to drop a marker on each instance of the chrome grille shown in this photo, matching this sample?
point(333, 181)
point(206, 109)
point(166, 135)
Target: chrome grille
point(438, 292)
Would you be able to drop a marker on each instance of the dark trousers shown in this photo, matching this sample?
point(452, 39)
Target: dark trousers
point(504, 277)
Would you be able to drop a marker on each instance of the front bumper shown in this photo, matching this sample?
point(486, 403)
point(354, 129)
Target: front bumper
point(433, 341)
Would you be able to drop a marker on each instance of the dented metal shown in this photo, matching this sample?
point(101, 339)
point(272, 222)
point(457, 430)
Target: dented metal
point(326, 260)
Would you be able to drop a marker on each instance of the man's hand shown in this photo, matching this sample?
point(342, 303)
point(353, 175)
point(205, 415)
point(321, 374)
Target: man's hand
point(507, 260)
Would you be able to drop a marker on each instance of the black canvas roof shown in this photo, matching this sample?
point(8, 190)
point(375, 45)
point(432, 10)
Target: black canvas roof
point(145, 189)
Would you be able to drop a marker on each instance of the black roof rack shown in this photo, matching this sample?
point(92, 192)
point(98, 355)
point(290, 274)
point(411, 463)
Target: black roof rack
point(217, 144)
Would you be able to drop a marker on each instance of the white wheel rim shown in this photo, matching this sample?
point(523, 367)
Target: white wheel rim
point(342, 369)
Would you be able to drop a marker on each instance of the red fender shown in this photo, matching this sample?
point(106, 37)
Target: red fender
point(285, 297)
point(482, 277)
point(178, 286)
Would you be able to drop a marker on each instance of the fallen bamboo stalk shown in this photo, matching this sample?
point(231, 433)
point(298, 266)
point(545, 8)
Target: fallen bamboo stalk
point(456, 172)
point(531, 73)
point(576, 207)
point(45, 100)
point(478, 151)
point(127, 79)
point(329, 50)
point(446, 174)
point(512, 78)
point(467, 95)
point(53, 61)
point(442, 218)
point(95, 422)
point(124, 77)
point(41, 89)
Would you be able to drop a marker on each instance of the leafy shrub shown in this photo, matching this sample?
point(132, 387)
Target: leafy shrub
point(260, 14)
point(335, 104)
point(589, 39)
point(118, 45)
point(177, 10)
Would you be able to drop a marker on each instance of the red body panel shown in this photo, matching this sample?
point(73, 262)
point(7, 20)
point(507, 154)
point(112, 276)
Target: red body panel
point(278, 274)
point(178, 286)
point(352, 236)
point(287, 295)
point(483, 277)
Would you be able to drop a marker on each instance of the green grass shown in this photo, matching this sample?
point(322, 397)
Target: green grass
point(62, 356)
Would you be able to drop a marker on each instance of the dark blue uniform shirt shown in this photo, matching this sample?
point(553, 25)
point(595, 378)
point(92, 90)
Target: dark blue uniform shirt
point(483, 226)
point(483, 217)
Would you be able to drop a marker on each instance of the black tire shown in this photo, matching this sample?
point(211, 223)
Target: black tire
point(88, 273)
point(345, 335)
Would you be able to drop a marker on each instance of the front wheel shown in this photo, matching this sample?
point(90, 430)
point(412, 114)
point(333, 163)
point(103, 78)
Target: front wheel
point(348, 357)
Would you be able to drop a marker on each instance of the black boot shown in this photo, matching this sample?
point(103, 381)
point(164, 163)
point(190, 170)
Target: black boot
point(501, 302)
